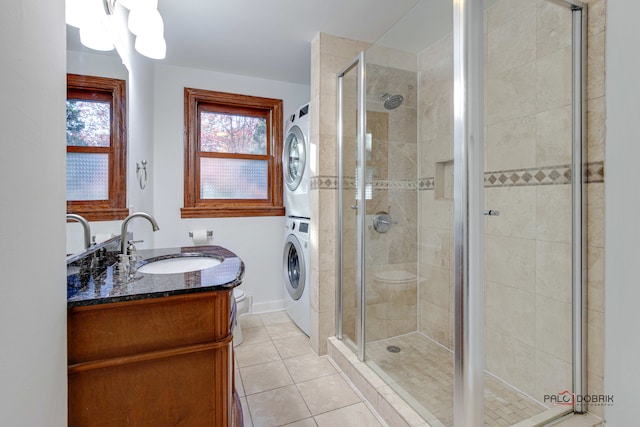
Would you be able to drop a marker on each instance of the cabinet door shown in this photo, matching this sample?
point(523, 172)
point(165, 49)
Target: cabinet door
point(160, 362)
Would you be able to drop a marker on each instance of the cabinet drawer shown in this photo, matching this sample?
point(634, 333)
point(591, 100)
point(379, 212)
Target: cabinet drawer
point(128, 328)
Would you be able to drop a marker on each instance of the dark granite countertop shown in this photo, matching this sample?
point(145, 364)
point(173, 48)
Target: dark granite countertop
point(94, 278)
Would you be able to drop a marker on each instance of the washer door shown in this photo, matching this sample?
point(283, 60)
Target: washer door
point(294, 267)
point(294, 158)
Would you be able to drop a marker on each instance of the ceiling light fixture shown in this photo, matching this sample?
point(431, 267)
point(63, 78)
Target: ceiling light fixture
point(97, 31)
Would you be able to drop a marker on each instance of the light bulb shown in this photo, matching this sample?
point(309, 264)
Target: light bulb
point(146, 22)
point(133, 4)
point(94, 34)
point(97, 40)
point(129, 4)
point(148, 4)
point(75, 12)
point(151, 47)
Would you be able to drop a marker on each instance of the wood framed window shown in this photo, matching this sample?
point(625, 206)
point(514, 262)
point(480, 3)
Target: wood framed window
point(96, 147)
point(233, 155)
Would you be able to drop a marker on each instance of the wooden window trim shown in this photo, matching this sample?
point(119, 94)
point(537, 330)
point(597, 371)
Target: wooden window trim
point(116, 207)
point(194, 207)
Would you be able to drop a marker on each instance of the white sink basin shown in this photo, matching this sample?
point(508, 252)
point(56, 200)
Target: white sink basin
point(183, 264)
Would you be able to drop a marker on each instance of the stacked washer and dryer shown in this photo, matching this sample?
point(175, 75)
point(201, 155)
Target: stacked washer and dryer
point(296, 267)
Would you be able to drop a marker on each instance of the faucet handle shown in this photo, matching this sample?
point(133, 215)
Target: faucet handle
point(132, 247)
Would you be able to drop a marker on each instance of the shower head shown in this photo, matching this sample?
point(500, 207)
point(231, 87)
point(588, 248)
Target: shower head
point(391, 102)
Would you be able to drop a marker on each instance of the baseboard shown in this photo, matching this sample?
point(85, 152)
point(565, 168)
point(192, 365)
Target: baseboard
point(266, 307)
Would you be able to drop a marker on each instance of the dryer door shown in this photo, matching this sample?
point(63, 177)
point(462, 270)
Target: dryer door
point(294, 158)
point(294, 267)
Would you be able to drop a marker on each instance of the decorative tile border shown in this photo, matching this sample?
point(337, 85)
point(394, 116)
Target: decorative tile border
point(331, 183)
point(401, 185)
point(326, 182)
point(549, 175)
point(426, 183)
point(594, 172)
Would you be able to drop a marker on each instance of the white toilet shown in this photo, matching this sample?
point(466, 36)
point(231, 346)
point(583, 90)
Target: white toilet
point(393, 277)
point(397, 292)
point(243, 303)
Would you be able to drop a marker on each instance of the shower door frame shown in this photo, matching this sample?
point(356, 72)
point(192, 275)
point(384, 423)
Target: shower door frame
point(469, 307)
point(359, 65)
point(578, 198)
point(468, 219)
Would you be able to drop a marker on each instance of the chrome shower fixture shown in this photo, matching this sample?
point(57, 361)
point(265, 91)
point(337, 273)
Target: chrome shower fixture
point(391, 102)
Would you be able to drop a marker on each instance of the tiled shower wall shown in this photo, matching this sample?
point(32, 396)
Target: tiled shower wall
point(527, 158)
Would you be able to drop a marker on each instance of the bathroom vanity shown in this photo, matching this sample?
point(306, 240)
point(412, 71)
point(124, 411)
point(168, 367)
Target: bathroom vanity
point(154, 349)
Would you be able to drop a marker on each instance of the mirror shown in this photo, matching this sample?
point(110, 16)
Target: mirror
point(84, 61)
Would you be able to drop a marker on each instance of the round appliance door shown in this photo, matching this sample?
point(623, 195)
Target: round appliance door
point(295, 155)
point(294, 267)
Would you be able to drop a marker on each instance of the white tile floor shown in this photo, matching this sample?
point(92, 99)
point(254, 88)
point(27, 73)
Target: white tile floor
point(281, 381)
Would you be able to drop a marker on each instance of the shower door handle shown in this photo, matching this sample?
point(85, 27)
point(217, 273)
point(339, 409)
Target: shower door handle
point(354, 206)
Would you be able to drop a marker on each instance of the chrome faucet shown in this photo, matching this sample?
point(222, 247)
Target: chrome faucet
point(125, 223)
point(85, 226)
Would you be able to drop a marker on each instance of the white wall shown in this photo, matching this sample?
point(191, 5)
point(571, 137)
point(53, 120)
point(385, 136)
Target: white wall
point(32, 215)
point(258, 240)
point(622, 216)
point(95, 64)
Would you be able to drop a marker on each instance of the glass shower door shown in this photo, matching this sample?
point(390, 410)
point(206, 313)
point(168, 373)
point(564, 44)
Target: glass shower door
point(409, 211)
point(528, 180)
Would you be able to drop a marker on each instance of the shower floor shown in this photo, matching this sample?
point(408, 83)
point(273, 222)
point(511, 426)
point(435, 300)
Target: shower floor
point(424, 370)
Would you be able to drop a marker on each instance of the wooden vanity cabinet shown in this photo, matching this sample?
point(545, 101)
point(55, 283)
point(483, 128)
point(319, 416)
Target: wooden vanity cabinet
point(153, 362)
